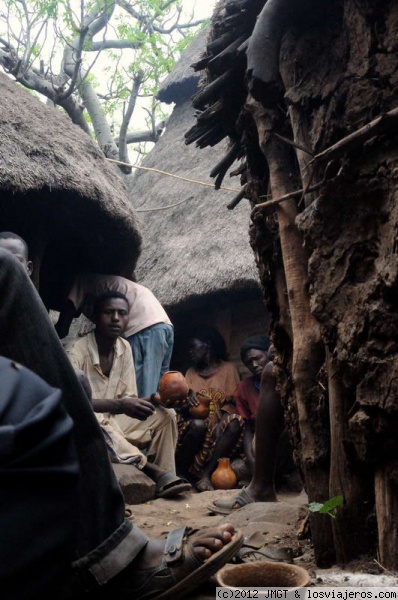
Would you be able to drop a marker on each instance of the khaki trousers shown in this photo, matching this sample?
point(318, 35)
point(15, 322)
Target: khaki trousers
point(157, 436)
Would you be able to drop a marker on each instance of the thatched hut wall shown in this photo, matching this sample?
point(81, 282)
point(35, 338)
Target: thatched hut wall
point(196, 257)
point(60, 194)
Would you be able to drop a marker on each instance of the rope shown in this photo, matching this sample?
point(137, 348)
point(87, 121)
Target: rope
point(164, 207)
point(124, 164)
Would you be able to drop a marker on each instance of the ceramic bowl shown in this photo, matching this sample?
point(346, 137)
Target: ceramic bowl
point(261, 573)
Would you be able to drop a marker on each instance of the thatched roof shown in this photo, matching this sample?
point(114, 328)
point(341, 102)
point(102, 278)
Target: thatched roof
point(182, 82)
point(59, 192)
point(199, 247)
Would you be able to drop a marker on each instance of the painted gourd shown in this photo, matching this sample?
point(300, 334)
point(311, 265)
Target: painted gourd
point(223, 477)
point(202, 410)
point(173, 387)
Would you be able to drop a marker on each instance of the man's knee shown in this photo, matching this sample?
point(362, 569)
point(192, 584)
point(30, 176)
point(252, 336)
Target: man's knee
point(197, 427)
point(164, 418)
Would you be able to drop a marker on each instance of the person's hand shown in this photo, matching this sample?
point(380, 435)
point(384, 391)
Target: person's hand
point(137, 408)
point(192, 399)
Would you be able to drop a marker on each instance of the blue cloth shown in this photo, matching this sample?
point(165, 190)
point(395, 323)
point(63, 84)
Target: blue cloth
point(152, 348)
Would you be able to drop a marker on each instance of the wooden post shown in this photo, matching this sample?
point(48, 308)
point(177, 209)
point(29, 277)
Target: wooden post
point(349, 528)
point(308, 355)
point(386, 494)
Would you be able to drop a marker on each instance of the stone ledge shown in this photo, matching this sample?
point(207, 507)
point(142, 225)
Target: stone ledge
point(137, 487)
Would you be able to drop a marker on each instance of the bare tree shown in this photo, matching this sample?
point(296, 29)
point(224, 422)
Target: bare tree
point(96, 60)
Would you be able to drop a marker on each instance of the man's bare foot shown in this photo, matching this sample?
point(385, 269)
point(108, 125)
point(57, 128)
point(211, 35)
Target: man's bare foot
point(260, 494)
point(172, 568)
point(205, 543)
point(248, 495)
point(204, 485)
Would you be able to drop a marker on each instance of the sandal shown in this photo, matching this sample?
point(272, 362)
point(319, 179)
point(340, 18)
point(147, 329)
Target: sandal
point(180, 571)
point(169, 486)
point(226, 505)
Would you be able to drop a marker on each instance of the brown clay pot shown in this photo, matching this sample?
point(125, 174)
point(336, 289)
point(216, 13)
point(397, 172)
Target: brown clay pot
point(202, 410)
point(223, 477)
point(263, 574)
point(173, 387)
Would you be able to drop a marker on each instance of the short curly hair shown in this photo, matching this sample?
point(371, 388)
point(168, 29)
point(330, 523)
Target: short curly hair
point(212, 337)
point(108, 295)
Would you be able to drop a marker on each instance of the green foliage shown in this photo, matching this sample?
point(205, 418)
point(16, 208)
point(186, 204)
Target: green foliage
point(47, 29)
point(46, 8)
point(327, 508)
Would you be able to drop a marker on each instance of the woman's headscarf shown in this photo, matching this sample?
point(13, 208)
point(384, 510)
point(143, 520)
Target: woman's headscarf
point(255, 342)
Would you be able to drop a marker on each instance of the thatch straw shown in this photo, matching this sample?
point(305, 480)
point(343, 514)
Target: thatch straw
point(198, 248)
point(58, 191)
point(182, 82)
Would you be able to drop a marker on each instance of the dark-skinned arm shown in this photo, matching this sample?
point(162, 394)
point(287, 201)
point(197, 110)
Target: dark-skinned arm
point(67, 314)
point(248, 443)
point(136, 408)
point(269, 426)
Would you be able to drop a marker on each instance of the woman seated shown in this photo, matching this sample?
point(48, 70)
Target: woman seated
point(257, 352)
point(201, 442)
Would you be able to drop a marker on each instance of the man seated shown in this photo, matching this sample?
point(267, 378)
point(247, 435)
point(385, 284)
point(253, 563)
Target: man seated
point(148, 331)
point(130, 424)
point(268, 453)
point(65, 533)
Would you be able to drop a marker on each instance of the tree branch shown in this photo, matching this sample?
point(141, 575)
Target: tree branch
point(6, 44)
point(146, 135)
point(123, 152)
point(94, 21)
point(179, 27)
point(76, 70)
point(131, 10)
point(288, 196)
point(167, 4)
point(150, 25)
point(112, 44)
point(34, 80)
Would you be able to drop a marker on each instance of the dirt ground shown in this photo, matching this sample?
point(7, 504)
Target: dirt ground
point(276, 525)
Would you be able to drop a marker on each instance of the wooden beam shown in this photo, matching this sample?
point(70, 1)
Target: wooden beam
point(382, 124)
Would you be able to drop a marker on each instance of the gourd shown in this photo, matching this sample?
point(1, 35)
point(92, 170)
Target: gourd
point(202, 410)
point(173, 387)
point(223, 478)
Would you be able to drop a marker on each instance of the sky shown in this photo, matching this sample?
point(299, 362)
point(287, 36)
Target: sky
point(203, 8)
